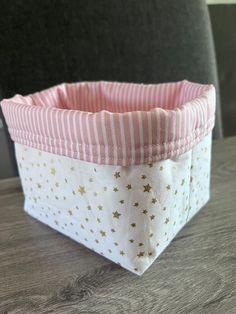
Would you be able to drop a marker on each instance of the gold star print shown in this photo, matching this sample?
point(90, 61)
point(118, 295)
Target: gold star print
point(167, 220)
point(39, 185)
point(183, 181)
point(86, 219)
point(150, 165)
point(110, 251)
point(89, 207)
point(150, 253)
point(81, 190)
point(103, 233)
point(147, 188)
point(116, 244)
point(96, 241)
point(161, 168)
point(168, 187)
point(122, 253)
point(100, 207)
point(72, 168)
point(56, 222)
point(136, 204)
point(140, 244)
point(57, 184)
point(176, 192)
point(143, 177)
point(164, 208)
point(104, 188)
point(145, 211)
point(140, 254)
point(154, 200)
point(53, 171)
point(95, 193)
point(152, 217)
point(90, 179)
point(122, 201)
point(131, 240)
point(117, 175)
point(133, 225)
point(113, 230)
point(116, 214)
point(70, 212)
point(129, 187)
point(98, 220)
point(191, 179)
point(115, 189)
point(91, 230)
point(81, 226)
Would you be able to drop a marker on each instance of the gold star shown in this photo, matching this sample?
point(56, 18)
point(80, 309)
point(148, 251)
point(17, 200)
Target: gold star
point(57, 184)
point(131, 241)
point(168, 187)
point(53, 171)
point(140, 244)
point(81, 226)
point(183, 181)
point(90, 179)
point(150, 165)
point(98, 220)
point(117, 175)
point(135, 269)
point(147, 188)
point(143, 177)
point(176, 192)
point(116, 244)
point(115, 189)
point(145, 211)
point(70, 212)
point(81, 190)
point(103, 233)
point(133, 225)
point(39, 185)
point(150, 253)
point(113, 230)
point(95, 193)
point(136, 204)
point(100, 207)
point(86, 219)
point(56, 222)
point(154, 200)
point(164, 208)
point(116, 214)
point(91, 230)
point(129, 187)
point(140, 254)
point(161, 168)
point(72, 168)
point(96, 241)
point(89, 207)
point(167, 220)
point(104, 188)
point(152, 217)
point(122, 201)
point(191, 179)
point(122, 253)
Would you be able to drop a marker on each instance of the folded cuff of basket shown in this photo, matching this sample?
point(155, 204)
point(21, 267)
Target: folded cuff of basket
point(113, 123)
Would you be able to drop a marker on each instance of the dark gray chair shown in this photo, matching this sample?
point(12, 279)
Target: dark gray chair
point(50, 41)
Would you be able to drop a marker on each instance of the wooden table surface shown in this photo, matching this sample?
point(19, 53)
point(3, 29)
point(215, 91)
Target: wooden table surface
point(42, 271)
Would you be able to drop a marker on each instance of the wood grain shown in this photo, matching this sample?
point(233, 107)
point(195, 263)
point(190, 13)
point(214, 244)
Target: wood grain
point(42, 271)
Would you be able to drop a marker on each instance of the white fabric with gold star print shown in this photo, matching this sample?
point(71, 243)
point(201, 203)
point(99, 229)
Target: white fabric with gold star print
point(128, 214)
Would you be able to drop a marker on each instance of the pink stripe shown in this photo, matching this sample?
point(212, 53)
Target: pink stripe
point(89, 121)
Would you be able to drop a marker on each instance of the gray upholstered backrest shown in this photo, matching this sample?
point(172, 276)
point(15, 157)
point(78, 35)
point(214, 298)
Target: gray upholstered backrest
point(50, 41)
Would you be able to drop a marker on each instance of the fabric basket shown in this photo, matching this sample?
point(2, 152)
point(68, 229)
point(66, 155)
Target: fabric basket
point(118, 167)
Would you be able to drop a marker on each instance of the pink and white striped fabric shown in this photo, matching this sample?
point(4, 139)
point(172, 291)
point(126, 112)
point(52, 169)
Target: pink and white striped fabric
point(113, 123)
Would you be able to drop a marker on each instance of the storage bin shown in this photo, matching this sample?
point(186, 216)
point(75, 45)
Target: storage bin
point(118, 167)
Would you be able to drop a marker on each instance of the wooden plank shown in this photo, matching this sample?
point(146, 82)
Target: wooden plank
point(42, 271)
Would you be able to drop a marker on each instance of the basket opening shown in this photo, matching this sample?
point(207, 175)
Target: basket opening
point(116, 97)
